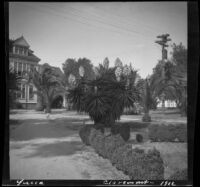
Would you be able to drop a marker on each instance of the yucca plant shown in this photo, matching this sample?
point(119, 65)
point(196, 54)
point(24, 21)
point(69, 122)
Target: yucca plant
point(104, 98)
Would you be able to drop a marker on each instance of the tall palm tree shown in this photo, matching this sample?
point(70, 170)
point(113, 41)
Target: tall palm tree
point(48, 85)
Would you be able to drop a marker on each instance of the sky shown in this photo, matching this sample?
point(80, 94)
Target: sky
point(128, 30)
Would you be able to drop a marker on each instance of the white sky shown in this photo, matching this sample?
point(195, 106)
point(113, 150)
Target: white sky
point(128, 30)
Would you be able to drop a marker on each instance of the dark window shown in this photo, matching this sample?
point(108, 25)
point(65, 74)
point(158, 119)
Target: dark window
point(23, 91)
point(24, 67)
point(19, 68)
point(18, 92)
point(15, 66)
point(31, 94)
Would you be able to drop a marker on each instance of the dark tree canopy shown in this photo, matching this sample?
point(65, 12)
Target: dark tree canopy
point(71, 66)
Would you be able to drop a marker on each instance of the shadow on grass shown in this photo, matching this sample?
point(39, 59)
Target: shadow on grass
point(35, 128)
point(63, 148)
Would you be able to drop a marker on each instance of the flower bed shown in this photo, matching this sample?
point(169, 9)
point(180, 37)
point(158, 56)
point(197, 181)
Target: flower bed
point(168, 133)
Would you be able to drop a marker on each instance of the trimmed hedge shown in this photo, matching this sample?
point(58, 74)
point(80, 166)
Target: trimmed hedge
point(179, 175)
point(134, 162)
point(138, 164)
point(168, 133)
point(111, 144)
point(122, 129)
point(84, 134)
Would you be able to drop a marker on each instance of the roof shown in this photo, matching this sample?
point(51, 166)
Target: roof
point(21, 42)
point(31, 57)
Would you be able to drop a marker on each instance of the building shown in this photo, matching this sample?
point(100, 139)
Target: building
point(22, 60)
point(167, 104)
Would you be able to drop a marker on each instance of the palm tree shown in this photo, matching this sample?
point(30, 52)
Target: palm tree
point(48, 85)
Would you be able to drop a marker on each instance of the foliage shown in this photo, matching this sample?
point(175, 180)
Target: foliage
point(134, 124)
point(179, 175)
point(111, 144)
point(105, 98)
point(125, 132)
point(71, 66)
point(139, 138)
point(49, 85)
point(138, 164)
point(84, 134)
point(168, 133)
point(170, 78)
point(13, 80)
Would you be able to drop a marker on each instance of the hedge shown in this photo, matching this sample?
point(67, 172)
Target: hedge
point(122, 129)
point(84, 134)
point(179, 175)
point(138, 164)
point(133, 162)
point(168, 133)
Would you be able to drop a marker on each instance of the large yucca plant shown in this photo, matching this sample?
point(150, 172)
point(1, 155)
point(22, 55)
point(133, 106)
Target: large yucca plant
point(104, 98)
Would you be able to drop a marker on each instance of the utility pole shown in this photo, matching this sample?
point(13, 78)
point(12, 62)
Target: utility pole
point(163, 42)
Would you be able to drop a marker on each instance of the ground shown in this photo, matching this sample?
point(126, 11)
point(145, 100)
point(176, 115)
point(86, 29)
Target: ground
point(42, 148)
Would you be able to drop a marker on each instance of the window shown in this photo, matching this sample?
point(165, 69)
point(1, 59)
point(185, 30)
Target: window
point(20, 50)
point(15, 66)
point(31, 94)
point(18, 92)
point(28, 67)
point(16, 50)
point(24, 67)
point(23, 91)
point(19, 68)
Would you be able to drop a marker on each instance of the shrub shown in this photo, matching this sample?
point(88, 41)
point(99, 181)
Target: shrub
point(125, 132)
point(99, 126)
point(144, 166)
point(97, 142)
point(179, 175)
point(168, 133)
point(115, 129)
point(84, 134)
point(118, 155)
point(138, 164)
point(139, 138)
point(112, 143)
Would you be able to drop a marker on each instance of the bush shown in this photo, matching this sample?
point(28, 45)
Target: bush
point(118, 155)
point(39, 108)
point(123, 130)
point(179, 175)
point(146, 118)
point(84, 134)
point(138, 164)
point(139, 138)
point(99, 126)
point(115, 129)
point(112, 143)
point(168, 133)
point(97, 141)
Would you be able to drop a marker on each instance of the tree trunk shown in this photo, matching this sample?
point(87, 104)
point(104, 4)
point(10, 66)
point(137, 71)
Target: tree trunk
point(48, 107)
point(146, 117)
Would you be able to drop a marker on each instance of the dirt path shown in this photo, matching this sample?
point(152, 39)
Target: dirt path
point(44, 149)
